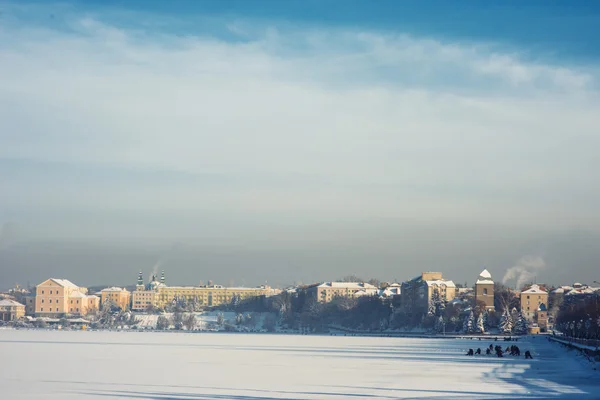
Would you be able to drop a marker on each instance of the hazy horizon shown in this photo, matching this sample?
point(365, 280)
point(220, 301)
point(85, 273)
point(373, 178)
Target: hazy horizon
point(258, 141)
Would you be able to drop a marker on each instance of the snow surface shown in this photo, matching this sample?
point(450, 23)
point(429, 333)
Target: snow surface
point(152, 365)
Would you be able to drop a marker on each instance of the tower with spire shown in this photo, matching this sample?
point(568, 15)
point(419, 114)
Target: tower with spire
point(162, 277)
point(484, 290)
point(140, 282)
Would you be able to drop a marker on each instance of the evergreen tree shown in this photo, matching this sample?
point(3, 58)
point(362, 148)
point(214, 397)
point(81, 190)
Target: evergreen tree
point(440, 324)
point(469, 323)
point(506, 322)
point(486, 316)
point(480, 324)
point(521, 325)
point(434, 303)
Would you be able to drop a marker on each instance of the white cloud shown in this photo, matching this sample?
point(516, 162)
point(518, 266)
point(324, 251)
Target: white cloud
point(311, 121)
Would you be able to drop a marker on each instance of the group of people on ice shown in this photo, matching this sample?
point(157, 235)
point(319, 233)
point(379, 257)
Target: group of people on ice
point(512, 350)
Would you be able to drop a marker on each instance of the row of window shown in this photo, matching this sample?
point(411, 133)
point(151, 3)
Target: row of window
point(50, 310)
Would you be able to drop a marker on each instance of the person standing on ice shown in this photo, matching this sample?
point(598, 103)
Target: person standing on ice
point(528, 355)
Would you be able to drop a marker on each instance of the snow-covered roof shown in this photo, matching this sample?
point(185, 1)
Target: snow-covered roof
point(485, 278)
point(440, 282)
point(390, 291)
point(92, 296)
point(77, 294)
point(365, 292)
point(114, 289)
point(348, 285)
point(65, 283)
point(10, 303)
point(535, 289)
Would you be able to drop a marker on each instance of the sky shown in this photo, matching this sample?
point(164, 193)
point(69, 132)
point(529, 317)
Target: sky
point(289, 142)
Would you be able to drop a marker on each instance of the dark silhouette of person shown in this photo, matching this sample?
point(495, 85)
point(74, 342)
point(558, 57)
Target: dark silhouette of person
point(491, 347)
point(499, 352)
point(488, 351)
point(478, 351)
point(528, 355)
point(470, 353)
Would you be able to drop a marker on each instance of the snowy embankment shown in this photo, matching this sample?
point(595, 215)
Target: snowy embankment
point(113, 365)
point(592, 353)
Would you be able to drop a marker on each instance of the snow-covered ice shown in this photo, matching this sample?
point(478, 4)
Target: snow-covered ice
point(152, 365)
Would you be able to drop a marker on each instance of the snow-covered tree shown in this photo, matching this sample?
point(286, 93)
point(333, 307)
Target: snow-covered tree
point(434, 303)
point(440, 324)
point(480, 324)
point(521, 325)
point(486, 316)
point(506, 322)
point(469, 323)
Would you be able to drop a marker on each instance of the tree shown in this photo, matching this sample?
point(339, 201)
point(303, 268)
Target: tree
point(190, 322)
point(178, 320)
point(440, 325)
point(486, 318)
point(521, 325)
point(469, 323)
point(506, 322)
point(270, 323)
point(480, 324)
point(434, 303)
point(162, 323)
point(504, 298)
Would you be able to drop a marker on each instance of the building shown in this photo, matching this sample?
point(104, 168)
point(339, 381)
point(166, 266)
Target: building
point(484, 290)
point(159, 295)
point(30, 305)
point(11, 310)
point(60, 297)
point(115, 296)
point(418, 293)
point(327, 291)
point(531, 300)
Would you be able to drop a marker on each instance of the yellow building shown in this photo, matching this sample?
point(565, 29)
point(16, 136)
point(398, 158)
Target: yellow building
point(59, 297)
point(116, 296)
point(157, 294)
point(531, 301)
point(327, 291)
point(11, 310)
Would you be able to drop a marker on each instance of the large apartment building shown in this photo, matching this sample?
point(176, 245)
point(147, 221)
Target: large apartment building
point(418, 292)
point(157, 294)
point(60, 297)
point(327, 291)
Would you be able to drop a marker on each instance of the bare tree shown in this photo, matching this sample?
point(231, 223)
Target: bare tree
point(190, 322)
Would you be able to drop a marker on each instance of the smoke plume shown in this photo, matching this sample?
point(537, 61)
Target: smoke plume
point(525, 270)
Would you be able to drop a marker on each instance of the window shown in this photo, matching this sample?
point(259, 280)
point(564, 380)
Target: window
point(42, 309)
point(57, 310)
point(42, 292)
point(527, 296)
point(485, 291)
point(50, 301)
point(77, 310)
point(42, 300)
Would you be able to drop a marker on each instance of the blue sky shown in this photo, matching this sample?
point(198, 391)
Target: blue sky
point(304, 125)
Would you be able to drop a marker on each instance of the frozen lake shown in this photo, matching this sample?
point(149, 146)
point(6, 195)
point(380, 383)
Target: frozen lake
point(132, 365)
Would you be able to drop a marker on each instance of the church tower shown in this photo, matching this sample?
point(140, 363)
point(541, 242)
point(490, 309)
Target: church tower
point(140, 282)
point(484, 290)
